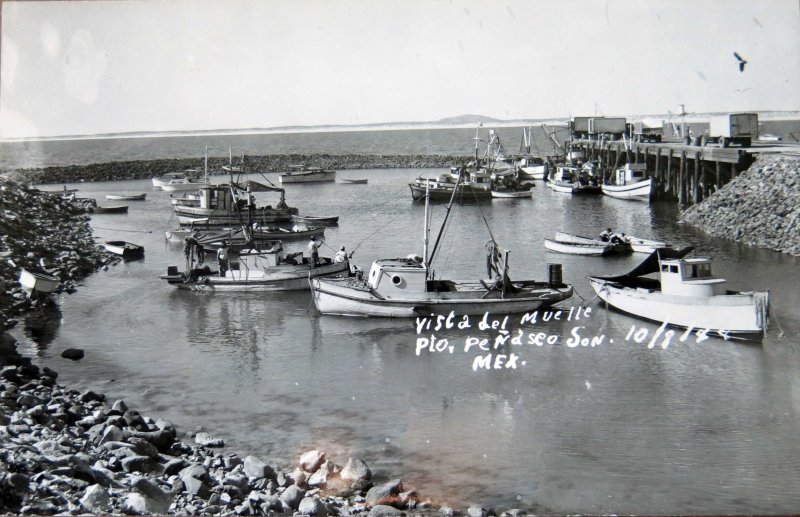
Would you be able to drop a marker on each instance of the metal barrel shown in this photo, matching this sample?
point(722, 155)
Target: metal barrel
point(554, 271)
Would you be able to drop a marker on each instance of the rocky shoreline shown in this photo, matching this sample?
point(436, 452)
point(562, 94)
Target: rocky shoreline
point(760, 207)
point(62, 451)
point(67, 452)
point(143, 169)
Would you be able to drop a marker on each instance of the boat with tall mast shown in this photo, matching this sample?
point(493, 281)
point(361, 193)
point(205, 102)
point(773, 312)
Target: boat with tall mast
point(408, 287)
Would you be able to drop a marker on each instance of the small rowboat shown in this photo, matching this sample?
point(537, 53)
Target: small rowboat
point(120, 209)
point(121, 197)
point(353, 181)
point(126, 250)
point(577, 248)
point(314, 220)
point(33, 281)
point(512, 193)
point(636, 244)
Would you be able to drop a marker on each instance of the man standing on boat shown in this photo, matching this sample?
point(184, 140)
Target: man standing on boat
point(222, 258)
point(313, 248)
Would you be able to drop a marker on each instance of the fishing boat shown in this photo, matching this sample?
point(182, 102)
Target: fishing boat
point(303, 174)
point(320, 220)
point(116, 209)
point(469, 185)
point(630, 182)
point(235, 204)
point(407, 287)
point(685, 295)
point(237, 239)
point(265, 269)
point(353, 181)
point(35, 282)
point(186, 176)
point(619, 245)
point(571, 179)
point(527, 165)
point(181, 185)
point(124, 197)
point(126, 250)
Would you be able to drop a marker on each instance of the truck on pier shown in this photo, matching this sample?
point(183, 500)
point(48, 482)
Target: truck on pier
point(735, 128)
point(580, 127)
point(643, 132)
point(611, 127)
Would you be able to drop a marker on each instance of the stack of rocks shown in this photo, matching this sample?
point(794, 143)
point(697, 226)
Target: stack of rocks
point(761, 207)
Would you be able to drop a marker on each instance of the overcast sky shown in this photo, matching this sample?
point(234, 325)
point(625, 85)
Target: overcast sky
point(96, 67)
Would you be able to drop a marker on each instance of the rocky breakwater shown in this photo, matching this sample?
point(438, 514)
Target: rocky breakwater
point(45, 233)
point(62, 451)
point(142, 169)
point(761, 207)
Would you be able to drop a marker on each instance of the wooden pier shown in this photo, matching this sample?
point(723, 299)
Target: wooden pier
point(683, 173)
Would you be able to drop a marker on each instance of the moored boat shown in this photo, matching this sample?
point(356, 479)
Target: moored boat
point(636, 244)
point(685, 295)
point(126, 197)
point(185, 176)
point(330, 220)
point(126, 250)
point(406, 287)
point(303, 174)
point(512, 192)
point(240, 239)
point(630, 182)
point(265, 269)
point(37, 282)
point(235, 204)
point(577, 248)
point(116, 209)
point(182, 186)
point(359, 181)
point(571, 179)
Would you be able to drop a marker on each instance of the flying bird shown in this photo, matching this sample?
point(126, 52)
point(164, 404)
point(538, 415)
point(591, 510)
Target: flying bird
point(741, 61)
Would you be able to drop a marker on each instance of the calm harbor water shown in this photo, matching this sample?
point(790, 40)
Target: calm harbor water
point(707, 427)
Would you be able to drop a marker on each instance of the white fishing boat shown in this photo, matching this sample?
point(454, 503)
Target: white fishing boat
point(186, 176)
point(630, 182)
point(527, 165)
point(182, 185)
point(685, 294)
point(303, 174)
point(257, 270)
point(571, 179)
point(407, 287)
point(37, 282)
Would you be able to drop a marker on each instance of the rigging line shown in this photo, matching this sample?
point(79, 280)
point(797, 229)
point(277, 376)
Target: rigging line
point(381, 228)
point(444, 223)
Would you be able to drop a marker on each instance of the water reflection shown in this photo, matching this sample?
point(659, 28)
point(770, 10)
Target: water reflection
point(41, 325)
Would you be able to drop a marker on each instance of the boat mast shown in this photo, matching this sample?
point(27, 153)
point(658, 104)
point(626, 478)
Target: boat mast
point(444, 223)
point(426, 228)
point(205, 168)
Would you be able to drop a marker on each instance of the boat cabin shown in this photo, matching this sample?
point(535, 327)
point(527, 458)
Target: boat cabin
point(690, 277)
point(398, 278)
point(566, 173)
point(631, 173)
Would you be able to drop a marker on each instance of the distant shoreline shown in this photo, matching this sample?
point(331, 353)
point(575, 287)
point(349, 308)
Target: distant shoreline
point(485, 122)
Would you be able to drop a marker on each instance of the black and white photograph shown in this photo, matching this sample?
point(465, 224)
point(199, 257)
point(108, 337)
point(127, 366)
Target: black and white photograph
point(399, 257)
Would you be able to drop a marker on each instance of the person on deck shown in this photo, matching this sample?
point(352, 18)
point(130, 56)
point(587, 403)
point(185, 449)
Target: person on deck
point(313, 248)
point(222, 258)
point(606, 235)
point(341, 256)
